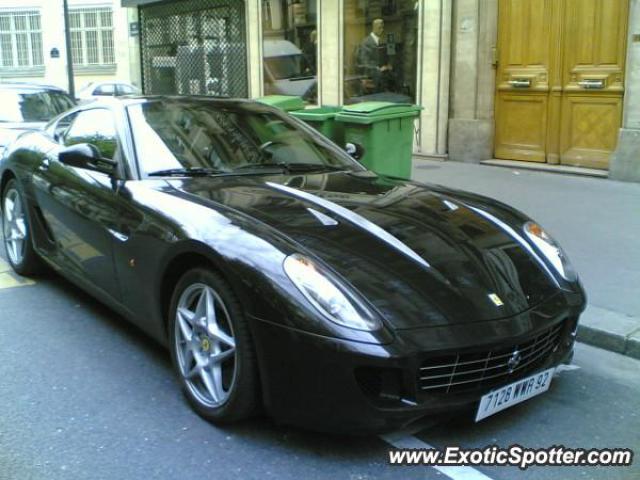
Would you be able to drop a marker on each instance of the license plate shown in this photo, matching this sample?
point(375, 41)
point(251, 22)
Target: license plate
point(514, 393)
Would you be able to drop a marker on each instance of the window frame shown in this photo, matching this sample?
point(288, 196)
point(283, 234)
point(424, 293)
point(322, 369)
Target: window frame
point(79, 33)
point(34, 47)
point(262, 71)
point(128, 169)
point(117, 152)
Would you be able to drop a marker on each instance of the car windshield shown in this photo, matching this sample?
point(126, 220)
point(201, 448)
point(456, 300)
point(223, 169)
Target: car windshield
point(227, 138)
point(32, 106)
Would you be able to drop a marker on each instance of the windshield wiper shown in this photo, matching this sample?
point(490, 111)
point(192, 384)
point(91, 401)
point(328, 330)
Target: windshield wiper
point(313, 167)
point(289, 167)
point(189, 172)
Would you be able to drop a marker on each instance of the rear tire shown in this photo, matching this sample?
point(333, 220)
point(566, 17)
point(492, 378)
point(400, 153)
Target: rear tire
point(212, 349)
point(17, 232)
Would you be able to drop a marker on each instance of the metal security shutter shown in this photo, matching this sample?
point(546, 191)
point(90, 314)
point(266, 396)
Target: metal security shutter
point(194, 47)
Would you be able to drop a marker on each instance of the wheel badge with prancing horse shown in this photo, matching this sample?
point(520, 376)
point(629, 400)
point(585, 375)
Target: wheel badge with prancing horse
point(205, 345)
point(14, 226)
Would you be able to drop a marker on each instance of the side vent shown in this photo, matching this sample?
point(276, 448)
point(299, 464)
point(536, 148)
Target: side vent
point(42, 225)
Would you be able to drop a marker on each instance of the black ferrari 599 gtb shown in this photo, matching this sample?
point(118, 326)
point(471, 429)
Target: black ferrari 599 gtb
point(284, 275)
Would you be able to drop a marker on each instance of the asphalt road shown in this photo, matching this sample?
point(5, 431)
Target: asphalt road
point(84, 395)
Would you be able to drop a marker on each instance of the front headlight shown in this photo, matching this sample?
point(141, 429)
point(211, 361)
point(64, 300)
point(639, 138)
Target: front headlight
point(550, 248)
point(328, 294)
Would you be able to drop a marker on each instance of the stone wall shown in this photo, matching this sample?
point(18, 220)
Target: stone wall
point(474, 36)
point(625, 161)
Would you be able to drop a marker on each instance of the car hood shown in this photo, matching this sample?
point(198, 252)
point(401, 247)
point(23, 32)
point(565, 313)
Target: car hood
point(423, 255)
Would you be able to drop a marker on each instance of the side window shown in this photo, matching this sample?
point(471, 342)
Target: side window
point(96, 127)
point(108, 89)
point(62, 126)
point(125, 90)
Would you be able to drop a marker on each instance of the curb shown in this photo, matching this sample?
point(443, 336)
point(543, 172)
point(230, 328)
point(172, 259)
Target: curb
point(610, 330)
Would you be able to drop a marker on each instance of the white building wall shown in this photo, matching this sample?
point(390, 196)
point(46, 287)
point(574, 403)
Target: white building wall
point(55, 69)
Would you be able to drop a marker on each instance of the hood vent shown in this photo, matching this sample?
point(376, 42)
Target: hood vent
point(325, 220)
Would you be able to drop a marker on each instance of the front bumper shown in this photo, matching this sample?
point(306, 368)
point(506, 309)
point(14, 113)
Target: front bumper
point(330, 384)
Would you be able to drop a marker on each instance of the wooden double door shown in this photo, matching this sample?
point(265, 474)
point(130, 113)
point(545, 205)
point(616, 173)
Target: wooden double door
point(560, 80)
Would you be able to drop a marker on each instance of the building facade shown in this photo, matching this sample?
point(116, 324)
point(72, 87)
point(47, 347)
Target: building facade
point(553, 82)
point(32, 42)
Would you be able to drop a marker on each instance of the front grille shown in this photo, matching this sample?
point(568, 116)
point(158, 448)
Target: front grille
point(463, 372)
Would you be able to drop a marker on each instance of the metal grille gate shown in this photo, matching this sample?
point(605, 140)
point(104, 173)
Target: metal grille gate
point(194, 47)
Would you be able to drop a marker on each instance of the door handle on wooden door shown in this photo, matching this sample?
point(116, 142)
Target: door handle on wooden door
point(520, 83)
point(592, 83)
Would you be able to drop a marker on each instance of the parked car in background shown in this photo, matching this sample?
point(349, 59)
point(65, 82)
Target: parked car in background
point(27, 106)
point(286, 70)
point(97, 90)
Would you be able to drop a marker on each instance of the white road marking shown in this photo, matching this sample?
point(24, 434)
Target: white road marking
point(407, 440)
point(565, 368)
point(10, 279)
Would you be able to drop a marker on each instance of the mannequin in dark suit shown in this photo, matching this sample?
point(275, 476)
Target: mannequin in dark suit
point(371, 58)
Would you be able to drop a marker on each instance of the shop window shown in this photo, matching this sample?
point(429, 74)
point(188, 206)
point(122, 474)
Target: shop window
point(290, 48)
point(194, 47)
point(380, 50)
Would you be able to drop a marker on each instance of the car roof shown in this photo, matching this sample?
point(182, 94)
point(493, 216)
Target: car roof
point(28, 86)
point(127, 100)
point(109, 82)
point(279, 48)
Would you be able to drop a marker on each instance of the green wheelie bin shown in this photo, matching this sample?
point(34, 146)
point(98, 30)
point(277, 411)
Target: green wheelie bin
point(385, 131)
point(286, 103)
point(323, 120)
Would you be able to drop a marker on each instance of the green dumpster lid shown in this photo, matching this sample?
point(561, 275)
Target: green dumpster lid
point(369, 112)
point(317, 114)
point(283, 102)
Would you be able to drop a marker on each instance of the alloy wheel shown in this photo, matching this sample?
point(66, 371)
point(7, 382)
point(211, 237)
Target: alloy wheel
point(14, 226)
point(205, 345)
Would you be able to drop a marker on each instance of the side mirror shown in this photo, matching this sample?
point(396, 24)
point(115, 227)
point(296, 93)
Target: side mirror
point(87, 156)
point(355, 150)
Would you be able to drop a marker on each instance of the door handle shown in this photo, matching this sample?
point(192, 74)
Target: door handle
point(592, 83)
point(520, 83)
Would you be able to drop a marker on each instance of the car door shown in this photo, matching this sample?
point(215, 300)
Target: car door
point(78, 205)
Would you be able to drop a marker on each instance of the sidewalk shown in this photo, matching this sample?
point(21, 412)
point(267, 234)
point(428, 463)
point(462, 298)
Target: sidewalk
point(597, 221)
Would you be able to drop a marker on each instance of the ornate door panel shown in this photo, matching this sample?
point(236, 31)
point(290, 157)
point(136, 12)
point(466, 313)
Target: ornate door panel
point(521, 132)
point(523, 79)
point(560, 80)
point(593, 78)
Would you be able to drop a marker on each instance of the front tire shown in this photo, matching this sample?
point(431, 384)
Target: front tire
point(17, 232)
point(212, 349)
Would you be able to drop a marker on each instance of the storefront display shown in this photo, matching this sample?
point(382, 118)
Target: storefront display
point(290, 48)
point(380, 45)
